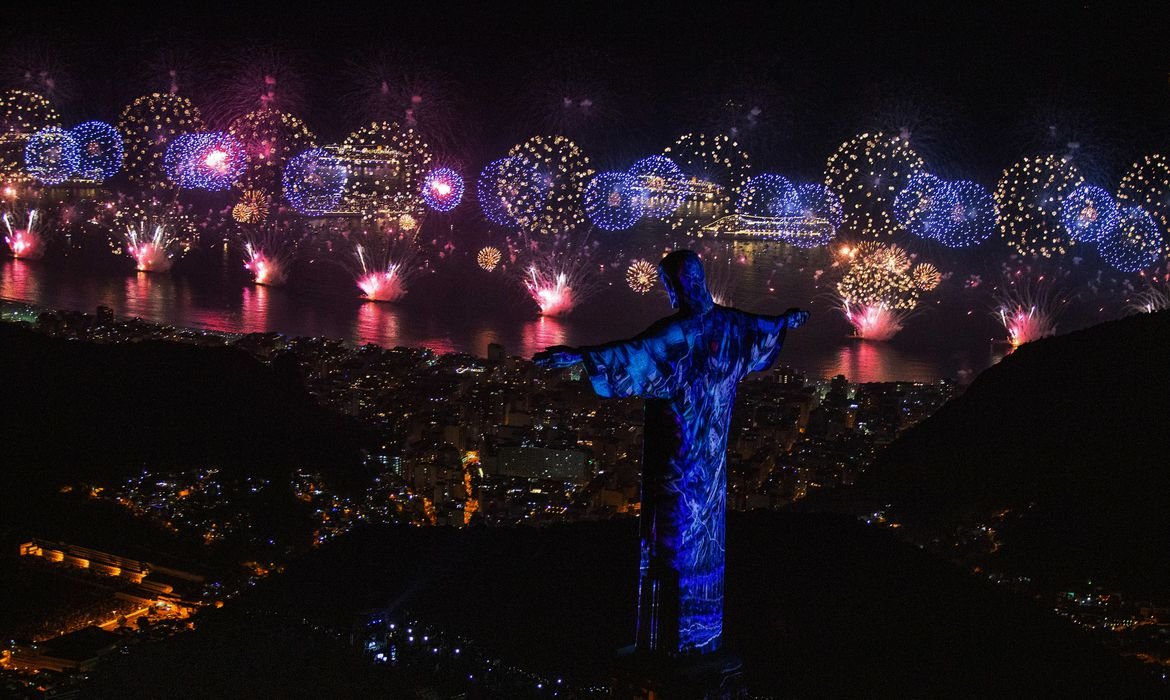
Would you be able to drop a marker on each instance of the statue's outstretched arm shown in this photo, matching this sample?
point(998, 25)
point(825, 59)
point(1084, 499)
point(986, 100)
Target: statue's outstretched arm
point(792, 318)
point(559, 356)
point(647, 365)
point(765, 335)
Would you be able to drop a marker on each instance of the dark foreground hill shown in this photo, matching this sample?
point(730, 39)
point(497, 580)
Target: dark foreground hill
point(74, 410)
point(1072, 434)
point(817, 606)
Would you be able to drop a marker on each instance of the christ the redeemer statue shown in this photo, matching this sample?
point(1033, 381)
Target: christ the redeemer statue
point(686, 366)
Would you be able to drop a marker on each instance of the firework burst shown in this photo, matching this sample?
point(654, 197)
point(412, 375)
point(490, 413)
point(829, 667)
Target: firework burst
point(22, 114)
point(271, 247)
point(153, 234)
point(314, 182)
point(1025, 324)
point(100, 151)
point(51, 156)
point(207, 160)
point(488, 257)
point(384, 257)
point(1147, 184)
point(551, 290)
point(148, 125)
point(271, 138)
point(1154, 297)
point(252, 207)
point(1027, 312)
point(881, 290)
point(868, 172)
point(925, 276)
point(387, 165)
point(659, 185)
point(23, 242)
point(642, 276)
point(875, 321)
point(714, 170)
point(442, 189)
point(150, 244)
point(380, 280)
point(558, 271)
point(548, 175)
point(1135, 244)
point(1029, 196)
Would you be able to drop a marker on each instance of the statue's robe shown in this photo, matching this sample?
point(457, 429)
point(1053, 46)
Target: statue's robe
point(686, 366)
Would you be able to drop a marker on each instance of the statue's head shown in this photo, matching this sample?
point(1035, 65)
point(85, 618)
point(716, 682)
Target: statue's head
point(682, 275)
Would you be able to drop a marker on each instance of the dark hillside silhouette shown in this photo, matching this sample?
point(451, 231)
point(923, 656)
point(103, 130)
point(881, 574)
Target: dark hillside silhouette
point(1072, 433)
point(73, 411)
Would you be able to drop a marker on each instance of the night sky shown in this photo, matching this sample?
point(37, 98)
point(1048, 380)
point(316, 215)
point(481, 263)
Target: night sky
point(978, 84)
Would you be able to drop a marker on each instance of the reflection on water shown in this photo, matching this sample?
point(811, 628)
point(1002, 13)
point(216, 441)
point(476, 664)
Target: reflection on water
point(18, 276)
point(254, 309)
point(377, 323)
point(143, 297)
point(867, 361)
point(542, 333)
point(449, 318)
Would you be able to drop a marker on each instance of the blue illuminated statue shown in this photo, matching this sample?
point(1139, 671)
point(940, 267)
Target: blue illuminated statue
point(687, 367)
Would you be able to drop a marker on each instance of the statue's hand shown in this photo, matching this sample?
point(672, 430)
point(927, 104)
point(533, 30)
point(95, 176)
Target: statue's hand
point(557, 357)
point(796, 317)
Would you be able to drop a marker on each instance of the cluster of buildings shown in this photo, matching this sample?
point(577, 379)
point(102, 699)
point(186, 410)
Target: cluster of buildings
point(501, 441)
point(213, 507)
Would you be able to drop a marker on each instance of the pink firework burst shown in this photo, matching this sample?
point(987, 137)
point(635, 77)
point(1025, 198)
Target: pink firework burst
point(149, 253)
point(1027, 307)
point(24, 242)
point(558, 271)
point(385, 261)
point(874, 321)
point(264, 270)
point(271, 247)
point(1025, 324)
point(552, 292)
point(383, 285)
